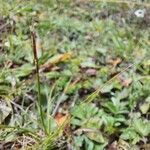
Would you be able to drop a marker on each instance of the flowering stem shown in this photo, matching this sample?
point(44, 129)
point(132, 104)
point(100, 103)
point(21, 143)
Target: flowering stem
point(39, 104)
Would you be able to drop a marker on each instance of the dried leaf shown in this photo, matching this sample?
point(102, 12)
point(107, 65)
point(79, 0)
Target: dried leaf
point(114, 62)
point(91, 72)
point(125, 81)
point(56, 59)
point(113, 146)
point(61, 119)
point(75, 82)
point(145, 146)
point(123, 145)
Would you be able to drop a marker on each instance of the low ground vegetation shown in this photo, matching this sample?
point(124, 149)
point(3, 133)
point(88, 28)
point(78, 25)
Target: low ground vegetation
point(93, 91)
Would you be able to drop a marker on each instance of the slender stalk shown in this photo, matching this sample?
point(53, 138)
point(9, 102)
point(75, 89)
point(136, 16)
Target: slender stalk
point(49, 101)
point(100, 89)
point(38, 80)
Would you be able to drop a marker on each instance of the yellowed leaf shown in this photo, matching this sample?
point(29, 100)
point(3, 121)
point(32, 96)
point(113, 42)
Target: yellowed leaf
point(57, 59)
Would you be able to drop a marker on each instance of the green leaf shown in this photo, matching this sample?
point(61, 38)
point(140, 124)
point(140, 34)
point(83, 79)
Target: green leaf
point(89, 63)
point(96, 136)
point(24, 70)
point(101, 51)
point(75, 121)
point(141, 126)
point(89, 145)
point(100, 146)
point(111, 107)
point(94, 123)
point(145, 107)
point(107, 88)
point(84, 111)
point(123, 94)
point(148, 99)
point(78, 140)
point(130, 134)
point(116, 106)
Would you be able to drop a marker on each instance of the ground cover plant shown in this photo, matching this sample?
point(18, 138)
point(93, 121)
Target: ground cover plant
point(74, 75)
